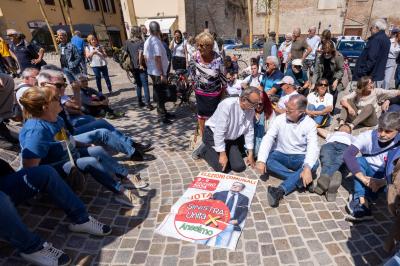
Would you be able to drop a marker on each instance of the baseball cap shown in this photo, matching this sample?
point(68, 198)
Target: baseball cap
point(395, 30)
point(12, 32)
point(286, 80)
point(297, 62)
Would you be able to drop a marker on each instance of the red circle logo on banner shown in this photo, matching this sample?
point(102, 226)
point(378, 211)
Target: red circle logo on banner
point(202, 219)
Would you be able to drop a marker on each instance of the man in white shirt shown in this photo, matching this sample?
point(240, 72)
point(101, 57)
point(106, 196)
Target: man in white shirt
point(28, 80)
point(222, 146)
point(295, 158)
point(313, 41)
point(369, 169)
point(254, 79)
point(234, 85)
point(157, 66)
point(288, 88)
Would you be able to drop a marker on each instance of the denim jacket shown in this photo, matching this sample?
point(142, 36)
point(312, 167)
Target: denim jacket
point(69, 57)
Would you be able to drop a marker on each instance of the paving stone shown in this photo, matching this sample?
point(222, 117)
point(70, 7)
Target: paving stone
point(251, 246)
point(296, 241)
point(187, 252)
point(314, 245)
point(203, 257)
point(122, 256)
point(333, 249)
point(139, 258)
point(286, 257)
point(172, 249)
point(342, 261)
point(323, 258)
point(236, 257)
point(265, 238)
point(170, 261)
point(302, 254)
point(219, 254)
point(281, 244)
point(268, 250)
point(153, 260)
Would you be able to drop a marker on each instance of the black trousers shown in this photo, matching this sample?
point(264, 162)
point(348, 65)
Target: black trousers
point(158, 88)
point(234, 150)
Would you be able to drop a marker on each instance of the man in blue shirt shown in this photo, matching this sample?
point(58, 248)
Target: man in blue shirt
point(79, 43)
point(271, 77)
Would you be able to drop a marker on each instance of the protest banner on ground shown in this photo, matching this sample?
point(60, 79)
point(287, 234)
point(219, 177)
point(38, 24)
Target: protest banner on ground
point(212, 211)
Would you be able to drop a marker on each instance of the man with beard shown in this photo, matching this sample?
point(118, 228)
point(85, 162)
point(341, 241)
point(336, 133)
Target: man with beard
point(369, 169)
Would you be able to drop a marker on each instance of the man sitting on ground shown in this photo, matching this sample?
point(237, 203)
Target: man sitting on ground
point(222, 146)
point(271, 77)
point(295, 158)
point(369, 169)
point(288, 88)
point(254, 79)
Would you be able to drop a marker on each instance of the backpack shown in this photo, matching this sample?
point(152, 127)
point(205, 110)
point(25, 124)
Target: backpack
point(125, 59)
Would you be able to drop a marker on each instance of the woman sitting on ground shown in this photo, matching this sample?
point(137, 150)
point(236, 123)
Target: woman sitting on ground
point(264, 114)
point(320, 104)
point(44, 141)
point(361, 106)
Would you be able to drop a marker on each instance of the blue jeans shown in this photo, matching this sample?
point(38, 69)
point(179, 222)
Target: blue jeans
point(142, 81)
point(25, 184)
point(288, 167)
point(96, 162)
point(394, 108)
point(320, 118)
point(96, 124)
point(71, 75)
point(113, 139)
point(80, 120)
point(102, 70)
point(331, 157)
point(360, 190)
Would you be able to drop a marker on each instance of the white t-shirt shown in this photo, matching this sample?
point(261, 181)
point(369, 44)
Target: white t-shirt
point(313, 43)
point(255, 81)
point(96, 60)
point(368, 144)
point(314, 99)
point(236, 88)
point(152, 48)
point(341, 137)
point(178, 49)
point(284, 99)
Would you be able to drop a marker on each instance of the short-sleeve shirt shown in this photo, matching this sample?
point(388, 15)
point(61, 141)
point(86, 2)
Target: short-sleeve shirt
point(314, 99)
point(25, 53)
point(284, 99)
point(133, 47)
point(79, 44)
point(253, 81)
point(298, 48)
point(270, 81)
point(235, 89)
point(96, 60)
point(341, 137)
point(299, 79)
point(41, 139)
point(152, 48)
point(367, 143)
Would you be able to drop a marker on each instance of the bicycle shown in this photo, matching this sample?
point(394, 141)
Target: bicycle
point(184, 87)
point(241, 63)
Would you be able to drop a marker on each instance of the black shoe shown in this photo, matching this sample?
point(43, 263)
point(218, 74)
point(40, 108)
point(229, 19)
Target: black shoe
point(166, 121)
point(142, 147)
point(141, 157)
point(170, 116)
point(275, 194)
point(141, 104)
point(150, 107)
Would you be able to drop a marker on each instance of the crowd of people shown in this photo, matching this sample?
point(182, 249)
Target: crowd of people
point(270, 120)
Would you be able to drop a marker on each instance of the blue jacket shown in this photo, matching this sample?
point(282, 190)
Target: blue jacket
point(79, 44)
point(372, 61)
point(241, 206)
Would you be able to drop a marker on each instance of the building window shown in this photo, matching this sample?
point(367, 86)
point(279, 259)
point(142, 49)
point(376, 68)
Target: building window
point(69, 3)
point(49, 2)
point(92, 5)
point(206, 24)
point(108, 6)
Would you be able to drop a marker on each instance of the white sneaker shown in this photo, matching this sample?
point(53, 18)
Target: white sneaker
point(134, 182)
point(47, 256)
point(92, 227)
point(128, 198)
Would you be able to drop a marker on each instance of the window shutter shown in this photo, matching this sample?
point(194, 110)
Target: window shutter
point(96, 4)
point(49, 2)
point(113, 6)
point(86, 4)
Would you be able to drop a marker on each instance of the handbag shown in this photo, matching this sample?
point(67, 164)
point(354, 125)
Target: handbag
point(75, 179)
point(169, 93)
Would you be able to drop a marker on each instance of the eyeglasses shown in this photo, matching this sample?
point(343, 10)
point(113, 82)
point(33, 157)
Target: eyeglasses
point(323, 85)
point(58, 85)
point(297, 66)
point(252, 104)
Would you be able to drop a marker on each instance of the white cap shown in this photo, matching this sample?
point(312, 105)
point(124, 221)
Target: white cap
point(12, 32)
point(297, 62)
point(286, 80)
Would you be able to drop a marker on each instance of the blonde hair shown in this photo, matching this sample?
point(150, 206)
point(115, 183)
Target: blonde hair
point(204, 37)
point(35, 99)
point(90, 37)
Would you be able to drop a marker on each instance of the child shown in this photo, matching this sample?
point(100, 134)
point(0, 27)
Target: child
point(331, 158)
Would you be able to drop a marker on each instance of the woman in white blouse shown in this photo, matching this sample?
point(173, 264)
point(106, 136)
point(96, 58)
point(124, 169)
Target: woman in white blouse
point(320, 104)
point(177, 47)
point(285, 48)
point(391, 62)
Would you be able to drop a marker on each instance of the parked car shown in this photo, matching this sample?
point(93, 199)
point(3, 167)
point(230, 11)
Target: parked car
point(231, 43)
point(350, 47)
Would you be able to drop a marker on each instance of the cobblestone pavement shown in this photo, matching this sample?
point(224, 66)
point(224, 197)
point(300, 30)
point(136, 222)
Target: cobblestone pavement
point(305, 229)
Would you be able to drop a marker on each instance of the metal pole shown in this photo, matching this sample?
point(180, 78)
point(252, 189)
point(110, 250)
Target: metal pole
point(48, 25)
point(250, 14)
point(68, 16)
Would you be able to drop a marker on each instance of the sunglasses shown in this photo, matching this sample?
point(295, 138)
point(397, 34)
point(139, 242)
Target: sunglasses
point(58, 85)
point(323, 85)
point(253, 105)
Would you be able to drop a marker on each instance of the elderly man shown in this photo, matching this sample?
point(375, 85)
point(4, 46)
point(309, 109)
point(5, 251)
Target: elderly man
point(372, 61)
point(295, 158)
point(70, 58)
point(222, 146)
point(27, 54)
point(271, 77)
point(369, 169)
point(300, 76)
point(313, 41)
point(288, 88)
point(269, 47)
point(300, 48)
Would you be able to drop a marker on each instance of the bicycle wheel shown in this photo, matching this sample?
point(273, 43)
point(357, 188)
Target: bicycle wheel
point(130, 76)
point(242, 64)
